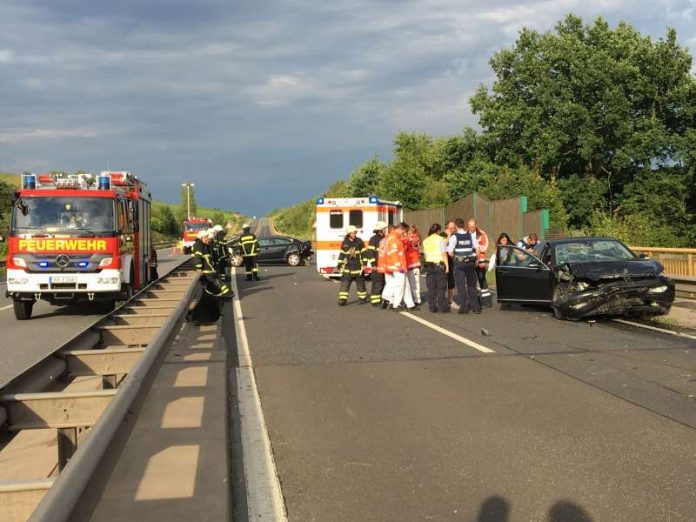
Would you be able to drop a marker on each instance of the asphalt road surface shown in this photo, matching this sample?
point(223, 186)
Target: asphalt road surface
point(24, 343)
point(375, 416)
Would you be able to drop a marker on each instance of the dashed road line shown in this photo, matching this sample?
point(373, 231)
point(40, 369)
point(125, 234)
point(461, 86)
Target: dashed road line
point(452, 335)
point(654, 328)
point(264, 494)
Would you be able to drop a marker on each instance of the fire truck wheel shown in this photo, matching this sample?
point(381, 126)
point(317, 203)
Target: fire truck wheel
point(22, 309)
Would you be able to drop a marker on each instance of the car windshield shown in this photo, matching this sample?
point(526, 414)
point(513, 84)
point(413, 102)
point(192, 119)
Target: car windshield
point(592, 250)
point(51, 215)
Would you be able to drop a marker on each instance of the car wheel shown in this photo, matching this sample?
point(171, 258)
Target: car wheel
point(560, 294)
point(237, 260)
point(294, 259)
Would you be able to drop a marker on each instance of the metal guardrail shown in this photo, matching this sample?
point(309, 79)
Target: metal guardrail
point(685, 287)
point(72, 492)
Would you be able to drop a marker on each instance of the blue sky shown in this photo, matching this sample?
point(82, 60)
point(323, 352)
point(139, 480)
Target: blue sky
point(261, 104)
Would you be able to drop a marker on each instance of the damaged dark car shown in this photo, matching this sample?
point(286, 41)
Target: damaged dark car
point(583, 277)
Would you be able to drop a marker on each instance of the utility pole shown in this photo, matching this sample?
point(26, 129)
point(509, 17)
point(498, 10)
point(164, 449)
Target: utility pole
point(188, 198)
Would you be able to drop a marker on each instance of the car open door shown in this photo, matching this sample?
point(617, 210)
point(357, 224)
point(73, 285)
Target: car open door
point(522, 277)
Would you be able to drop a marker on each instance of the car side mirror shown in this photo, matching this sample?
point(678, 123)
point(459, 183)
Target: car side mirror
point(643, 255)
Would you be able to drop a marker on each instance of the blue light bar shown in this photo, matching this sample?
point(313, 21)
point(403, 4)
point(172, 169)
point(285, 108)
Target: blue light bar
point(320, 201)
point(29, 181)
point(44, 264)
point(104, 182)
point(374, 199)
point(83, 264)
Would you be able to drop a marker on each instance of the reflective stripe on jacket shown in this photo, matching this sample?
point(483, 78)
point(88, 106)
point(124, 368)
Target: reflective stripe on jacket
point(351, 260)
point(249, 244)
point(203, 257)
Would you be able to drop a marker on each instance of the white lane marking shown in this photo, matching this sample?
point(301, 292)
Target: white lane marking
point(449, 334)
point(5, 308)
point(654, 328)
point(264, 494)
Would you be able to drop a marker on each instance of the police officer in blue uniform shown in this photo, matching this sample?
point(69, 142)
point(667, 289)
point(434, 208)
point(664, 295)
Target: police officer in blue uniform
point(462, 247)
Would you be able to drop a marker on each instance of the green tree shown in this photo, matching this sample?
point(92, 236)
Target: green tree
point(219, 218)
point(365, 180)
point(586, 101)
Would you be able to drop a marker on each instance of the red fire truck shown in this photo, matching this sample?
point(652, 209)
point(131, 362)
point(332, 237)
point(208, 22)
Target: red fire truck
point(191, 227)
point(78, 238)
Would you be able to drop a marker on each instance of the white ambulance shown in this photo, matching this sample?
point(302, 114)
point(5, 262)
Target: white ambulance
point(335, 215)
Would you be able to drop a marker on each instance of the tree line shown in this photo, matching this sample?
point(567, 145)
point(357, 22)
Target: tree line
point(597, 124)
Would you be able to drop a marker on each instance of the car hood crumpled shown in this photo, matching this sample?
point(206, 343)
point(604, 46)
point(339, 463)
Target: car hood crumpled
point(605, 271)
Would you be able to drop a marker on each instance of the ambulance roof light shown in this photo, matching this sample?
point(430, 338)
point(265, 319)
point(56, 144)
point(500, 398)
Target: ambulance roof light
point(374, 199)
point(320, 201)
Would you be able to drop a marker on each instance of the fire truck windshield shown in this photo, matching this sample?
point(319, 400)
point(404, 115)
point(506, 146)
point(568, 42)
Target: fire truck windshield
point(195, 227)
point(56, 215)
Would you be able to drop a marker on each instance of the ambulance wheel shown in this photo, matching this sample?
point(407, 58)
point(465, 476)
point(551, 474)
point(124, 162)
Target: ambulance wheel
point(22, 309)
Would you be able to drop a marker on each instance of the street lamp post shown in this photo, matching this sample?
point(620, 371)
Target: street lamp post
point(188, 198)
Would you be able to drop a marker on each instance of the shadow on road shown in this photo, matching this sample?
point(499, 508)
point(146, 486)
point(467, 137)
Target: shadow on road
point(497, 509)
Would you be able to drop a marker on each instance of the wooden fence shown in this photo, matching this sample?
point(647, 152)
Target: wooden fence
point(677, 261)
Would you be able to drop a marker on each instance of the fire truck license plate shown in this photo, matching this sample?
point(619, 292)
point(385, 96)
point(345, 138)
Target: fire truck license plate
point(62, 279)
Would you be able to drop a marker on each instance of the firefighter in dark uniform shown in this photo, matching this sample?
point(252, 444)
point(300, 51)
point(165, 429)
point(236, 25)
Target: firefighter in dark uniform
point(462, 246)
point(250, 251)
point(209, 305)
point(372, 257)
point(222, 259)
point(351, 262)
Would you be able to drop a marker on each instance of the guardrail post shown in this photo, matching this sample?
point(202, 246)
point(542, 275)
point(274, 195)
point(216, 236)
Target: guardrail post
point(691, 266)
point(67, 445)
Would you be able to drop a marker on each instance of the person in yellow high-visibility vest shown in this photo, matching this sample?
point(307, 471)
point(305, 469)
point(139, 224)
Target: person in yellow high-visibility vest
point(436, 269)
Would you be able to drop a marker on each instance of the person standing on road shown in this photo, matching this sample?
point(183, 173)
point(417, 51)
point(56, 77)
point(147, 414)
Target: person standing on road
point(351, 262)
point(395, 289)
point(372, 258)
point(462, 246)
point(450, 228)
point(209, 305)
point(413, 251)
point(221, 256)
point(436, 269)
point(250, 251)
point(481, 262)
point(503, 240)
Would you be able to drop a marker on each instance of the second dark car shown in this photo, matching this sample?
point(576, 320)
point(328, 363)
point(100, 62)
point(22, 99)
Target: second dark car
point(583, 277)
point(275, 249)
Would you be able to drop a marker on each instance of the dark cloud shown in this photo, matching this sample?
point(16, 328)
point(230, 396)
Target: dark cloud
point(260, 103)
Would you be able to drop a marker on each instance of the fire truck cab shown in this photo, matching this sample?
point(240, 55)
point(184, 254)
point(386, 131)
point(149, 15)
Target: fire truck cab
point(335, 215)
point(78, 238)
point(191, 227)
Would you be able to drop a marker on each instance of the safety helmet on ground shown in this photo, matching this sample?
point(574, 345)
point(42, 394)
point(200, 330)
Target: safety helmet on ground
point(380, 225)
point(352, 229)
